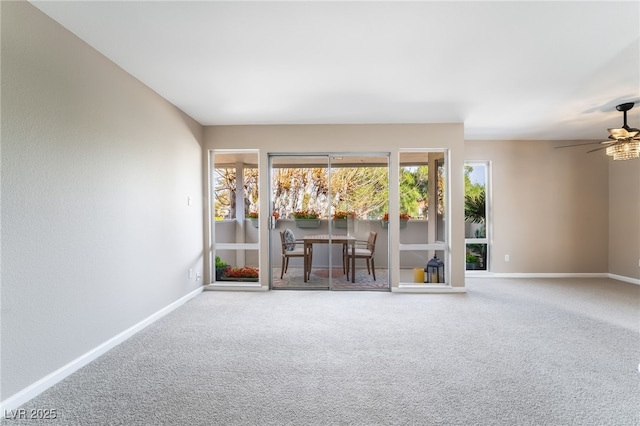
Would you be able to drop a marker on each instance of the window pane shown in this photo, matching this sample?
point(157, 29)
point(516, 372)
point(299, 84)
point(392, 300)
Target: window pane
point(234, 181)
point(475, 213)
point(476, 259)
point(474, 200)
point(441, 204)
point(225, 192)
point(422, 206)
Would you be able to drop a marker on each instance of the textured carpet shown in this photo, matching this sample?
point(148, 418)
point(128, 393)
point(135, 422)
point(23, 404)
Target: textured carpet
point(509, 352)
point(320, 279)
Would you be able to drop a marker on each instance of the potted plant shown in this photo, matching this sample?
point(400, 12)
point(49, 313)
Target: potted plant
point(245, 273)
point(221, 267)
point(404, 218)
point(340, 218)
point(473, 262)
point(254, 219)
point(306, 218)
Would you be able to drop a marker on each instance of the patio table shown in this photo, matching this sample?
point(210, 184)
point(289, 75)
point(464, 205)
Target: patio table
point(345, 240)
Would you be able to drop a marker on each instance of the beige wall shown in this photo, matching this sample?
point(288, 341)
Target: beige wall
point(357, 138)
point(96, 171)
point(624, 218)
point(550, 207)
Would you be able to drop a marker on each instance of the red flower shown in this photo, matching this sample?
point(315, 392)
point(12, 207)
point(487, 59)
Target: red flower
point(403, 216)
point(244, 272)
point(343, 215)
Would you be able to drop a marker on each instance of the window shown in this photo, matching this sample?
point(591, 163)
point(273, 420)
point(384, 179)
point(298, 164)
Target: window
point(423, 214)
point(235, 236)
point(476, 178)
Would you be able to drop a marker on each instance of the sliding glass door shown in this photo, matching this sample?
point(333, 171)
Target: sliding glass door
point(299, 202)
point(326, 212)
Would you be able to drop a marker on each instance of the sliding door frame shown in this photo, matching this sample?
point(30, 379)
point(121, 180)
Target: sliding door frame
point(329, 210)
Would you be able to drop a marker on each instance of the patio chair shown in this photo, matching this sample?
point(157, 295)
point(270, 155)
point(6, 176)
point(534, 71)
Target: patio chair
point(363, 250)
point(291, 247)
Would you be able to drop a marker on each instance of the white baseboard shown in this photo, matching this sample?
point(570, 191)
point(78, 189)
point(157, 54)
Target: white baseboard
point(625, 279)
point(537, 275)
point(239, 286)
point(475, 274)
point(425, 288)
point(551, 275)
point(46, 382)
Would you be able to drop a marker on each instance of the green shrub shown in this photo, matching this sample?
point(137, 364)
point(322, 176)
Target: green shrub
point(220, 264)
point(472, 258)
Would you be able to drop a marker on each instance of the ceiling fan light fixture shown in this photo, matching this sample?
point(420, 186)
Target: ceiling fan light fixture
point(624, 151)
point(621, 133)
point(623, 143)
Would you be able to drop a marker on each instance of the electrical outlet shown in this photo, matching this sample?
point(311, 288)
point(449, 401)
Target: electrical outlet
point(190, 273)
point(506, 257)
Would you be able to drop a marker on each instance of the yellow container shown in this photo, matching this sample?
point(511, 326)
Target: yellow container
point(418, 275)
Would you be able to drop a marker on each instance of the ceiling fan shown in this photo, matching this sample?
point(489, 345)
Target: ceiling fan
point(623, 143)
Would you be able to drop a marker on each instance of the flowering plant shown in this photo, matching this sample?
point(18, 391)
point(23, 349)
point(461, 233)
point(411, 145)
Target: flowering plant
point(343, 215)
point(244, 272)
point(253, 215)
point(305, 214)
point(275, 215)
point(403, 216)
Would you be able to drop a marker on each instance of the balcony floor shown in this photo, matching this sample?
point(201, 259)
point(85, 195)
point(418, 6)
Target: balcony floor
point(292, 279)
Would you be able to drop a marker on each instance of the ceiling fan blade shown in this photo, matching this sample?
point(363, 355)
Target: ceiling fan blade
point(579, 144)
point(598, 149)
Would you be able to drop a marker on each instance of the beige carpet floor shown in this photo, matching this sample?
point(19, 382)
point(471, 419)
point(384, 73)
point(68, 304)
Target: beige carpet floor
point(509, 352)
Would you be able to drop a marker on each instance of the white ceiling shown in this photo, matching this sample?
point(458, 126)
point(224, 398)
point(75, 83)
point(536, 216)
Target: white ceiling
point(508, 70)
